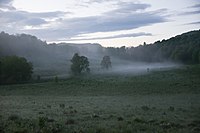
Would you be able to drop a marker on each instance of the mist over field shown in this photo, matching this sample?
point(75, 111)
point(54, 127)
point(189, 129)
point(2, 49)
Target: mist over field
point(132, 69)
point(99, 66)
point(53, 59)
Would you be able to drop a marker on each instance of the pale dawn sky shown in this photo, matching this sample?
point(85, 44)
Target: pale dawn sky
point(108, 22)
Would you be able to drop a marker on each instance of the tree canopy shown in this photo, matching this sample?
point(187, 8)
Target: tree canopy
point(79, 64)
point(15, 69)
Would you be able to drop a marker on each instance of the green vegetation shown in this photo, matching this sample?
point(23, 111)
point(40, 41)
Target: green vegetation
point(79, 64)
point(183, 48)
point(14, 69)
point(162, 101)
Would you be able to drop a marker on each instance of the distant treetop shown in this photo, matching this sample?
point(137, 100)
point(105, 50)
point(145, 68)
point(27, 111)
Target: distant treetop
point(106, 62)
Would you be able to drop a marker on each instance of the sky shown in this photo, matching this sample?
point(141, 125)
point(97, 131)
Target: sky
point(112, 23)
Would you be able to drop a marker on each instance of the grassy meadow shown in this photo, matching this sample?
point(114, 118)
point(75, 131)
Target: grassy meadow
point(161, 101)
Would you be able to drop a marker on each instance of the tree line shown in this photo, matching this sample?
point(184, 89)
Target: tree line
point(183, 48)
point(15, 69)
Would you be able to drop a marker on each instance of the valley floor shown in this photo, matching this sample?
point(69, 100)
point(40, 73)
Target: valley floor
point(166, 101)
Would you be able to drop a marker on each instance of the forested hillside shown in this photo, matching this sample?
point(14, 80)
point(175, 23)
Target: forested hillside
point(183, 48)
point(35, 50)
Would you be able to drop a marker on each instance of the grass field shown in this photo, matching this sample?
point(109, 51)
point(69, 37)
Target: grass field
point(163, 101)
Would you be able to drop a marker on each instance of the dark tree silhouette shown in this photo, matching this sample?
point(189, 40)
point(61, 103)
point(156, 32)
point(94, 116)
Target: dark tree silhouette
point(15, 69)
point(0, 73)
point(106, 62)
point(79, 64)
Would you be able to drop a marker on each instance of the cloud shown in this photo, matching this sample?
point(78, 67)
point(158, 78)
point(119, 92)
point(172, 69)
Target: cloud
point(112, 37)
point(190, 12)
point(53, 14)
point(6, 4)
point(98, 1)
point(105, 23)
point(128, 7)
point(5, 1)
point(125, 16)
point(195, 6)
point(193, 23)
point(35, 21)
point(23, 18)
point(111, 22)
point(193, 10)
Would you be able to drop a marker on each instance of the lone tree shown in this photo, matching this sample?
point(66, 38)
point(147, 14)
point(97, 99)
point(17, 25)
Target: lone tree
point(106, 63)
point(15, 69)
point(79, 64)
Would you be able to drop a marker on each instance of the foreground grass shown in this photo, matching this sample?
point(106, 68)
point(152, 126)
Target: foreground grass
point(165, 101)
